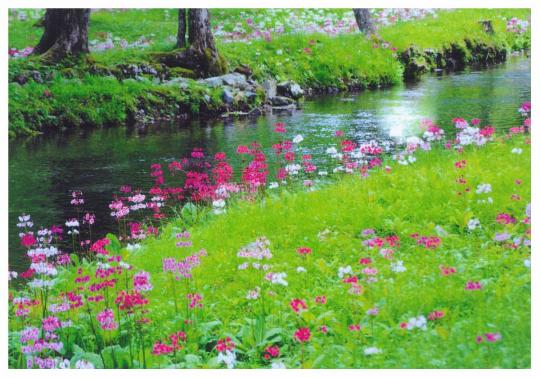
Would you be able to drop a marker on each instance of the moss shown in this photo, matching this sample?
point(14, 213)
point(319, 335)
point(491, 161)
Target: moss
point(181, 72)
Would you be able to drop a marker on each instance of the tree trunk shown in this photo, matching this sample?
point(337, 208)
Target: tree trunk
point(364, 21)
point(181, 35)
point(202, 42)
point(66, 33)
point(202, 56)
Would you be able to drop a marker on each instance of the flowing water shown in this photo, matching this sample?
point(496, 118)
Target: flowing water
point(43, 170)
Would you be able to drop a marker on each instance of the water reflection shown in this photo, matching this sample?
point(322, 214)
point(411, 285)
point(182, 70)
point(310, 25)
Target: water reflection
point(43, 170)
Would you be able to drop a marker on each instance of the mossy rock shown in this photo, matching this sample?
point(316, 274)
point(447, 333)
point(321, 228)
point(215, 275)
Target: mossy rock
point(182, 72)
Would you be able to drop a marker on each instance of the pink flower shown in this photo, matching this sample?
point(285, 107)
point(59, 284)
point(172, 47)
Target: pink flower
point(106, 319)
point(298, 305)
point(279, 127)
point(195, 300)
point(320, 299)
point(225, 344)
point(436, 315)
point(447, 270)
point(28, 240)
point(304, 251)
point(141, 281)
point(354, 327)
point(302, 335)
point(473, 285)
point(493, 337)
point(271, 351)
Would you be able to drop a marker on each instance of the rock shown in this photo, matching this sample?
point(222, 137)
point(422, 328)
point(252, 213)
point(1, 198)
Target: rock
point(235, 80)
point(250, 96)
point(213, 82)
point(290, 89)
point(178, 81)
point(269, 87)
point(227, 96)
point(282, 101)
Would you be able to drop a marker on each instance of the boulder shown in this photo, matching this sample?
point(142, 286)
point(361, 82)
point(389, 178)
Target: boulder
point(269, 87)
point(234, 80)
point(177, 81)
point(290, 89)
point(227, 96)
point(282, 101)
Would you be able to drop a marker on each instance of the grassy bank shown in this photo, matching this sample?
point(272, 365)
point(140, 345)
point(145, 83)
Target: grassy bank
point(315, 60)
point(403, 279)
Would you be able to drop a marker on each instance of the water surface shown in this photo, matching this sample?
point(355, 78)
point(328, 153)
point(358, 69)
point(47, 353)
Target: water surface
point(43, 170)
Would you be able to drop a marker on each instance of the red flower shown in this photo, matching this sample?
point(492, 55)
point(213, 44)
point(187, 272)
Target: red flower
point(302, 335)
point(225, 344)
point(298, 305)
point(304, 250)
point(28, 240)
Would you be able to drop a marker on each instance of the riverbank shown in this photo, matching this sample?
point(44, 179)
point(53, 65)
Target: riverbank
point(120, 85)
point(426, 280)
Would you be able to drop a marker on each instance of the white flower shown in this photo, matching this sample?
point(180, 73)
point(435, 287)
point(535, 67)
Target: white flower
point(83, 364)
point(372, 350)
point(293, 169)
point(301, 269)
point(279, 52)
point(418, 322)
point(229, 358)
point(63, 364)
point(342, 271)
point(483, 188)
point(253, 294)
point(12, 275)
point(411, 159)
point(277, 278)
point(527, 263)
point(133, 247)
point(273, 185)
point(473, 224)
point(517, 151)
point(297, 139)
point(278, 365)
point(218, 203)
point(398, 267)
point(323, 173)
point(440, 231)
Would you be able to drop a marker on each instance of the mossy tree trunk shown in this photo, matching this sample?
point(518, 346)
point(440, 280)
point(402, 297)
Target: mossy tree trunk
point(65, 34)
point(364, 21)
point(181, 35)
point(202, 56)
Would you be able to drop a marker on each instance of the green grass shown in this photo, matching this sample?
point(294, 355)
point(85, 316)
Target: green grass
point(456, 26)
point(313, 60)
point(410, 199)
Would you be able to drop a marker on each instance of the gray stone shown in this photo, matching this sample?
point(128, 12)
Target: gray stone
point(269, 87)
point(290, 89)
point(281, 101)
point(235, 80)
point(227, 96)
point(251, 96)
point(212, 82)
point(177, 81)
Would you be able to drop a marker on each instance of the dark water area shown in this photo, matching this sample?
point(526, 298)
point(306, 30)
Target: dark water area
point(43, 170)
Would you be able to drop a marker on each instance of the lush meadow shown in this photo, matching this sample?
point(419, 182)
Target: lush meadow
point(413, 254)
point(319, 49)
